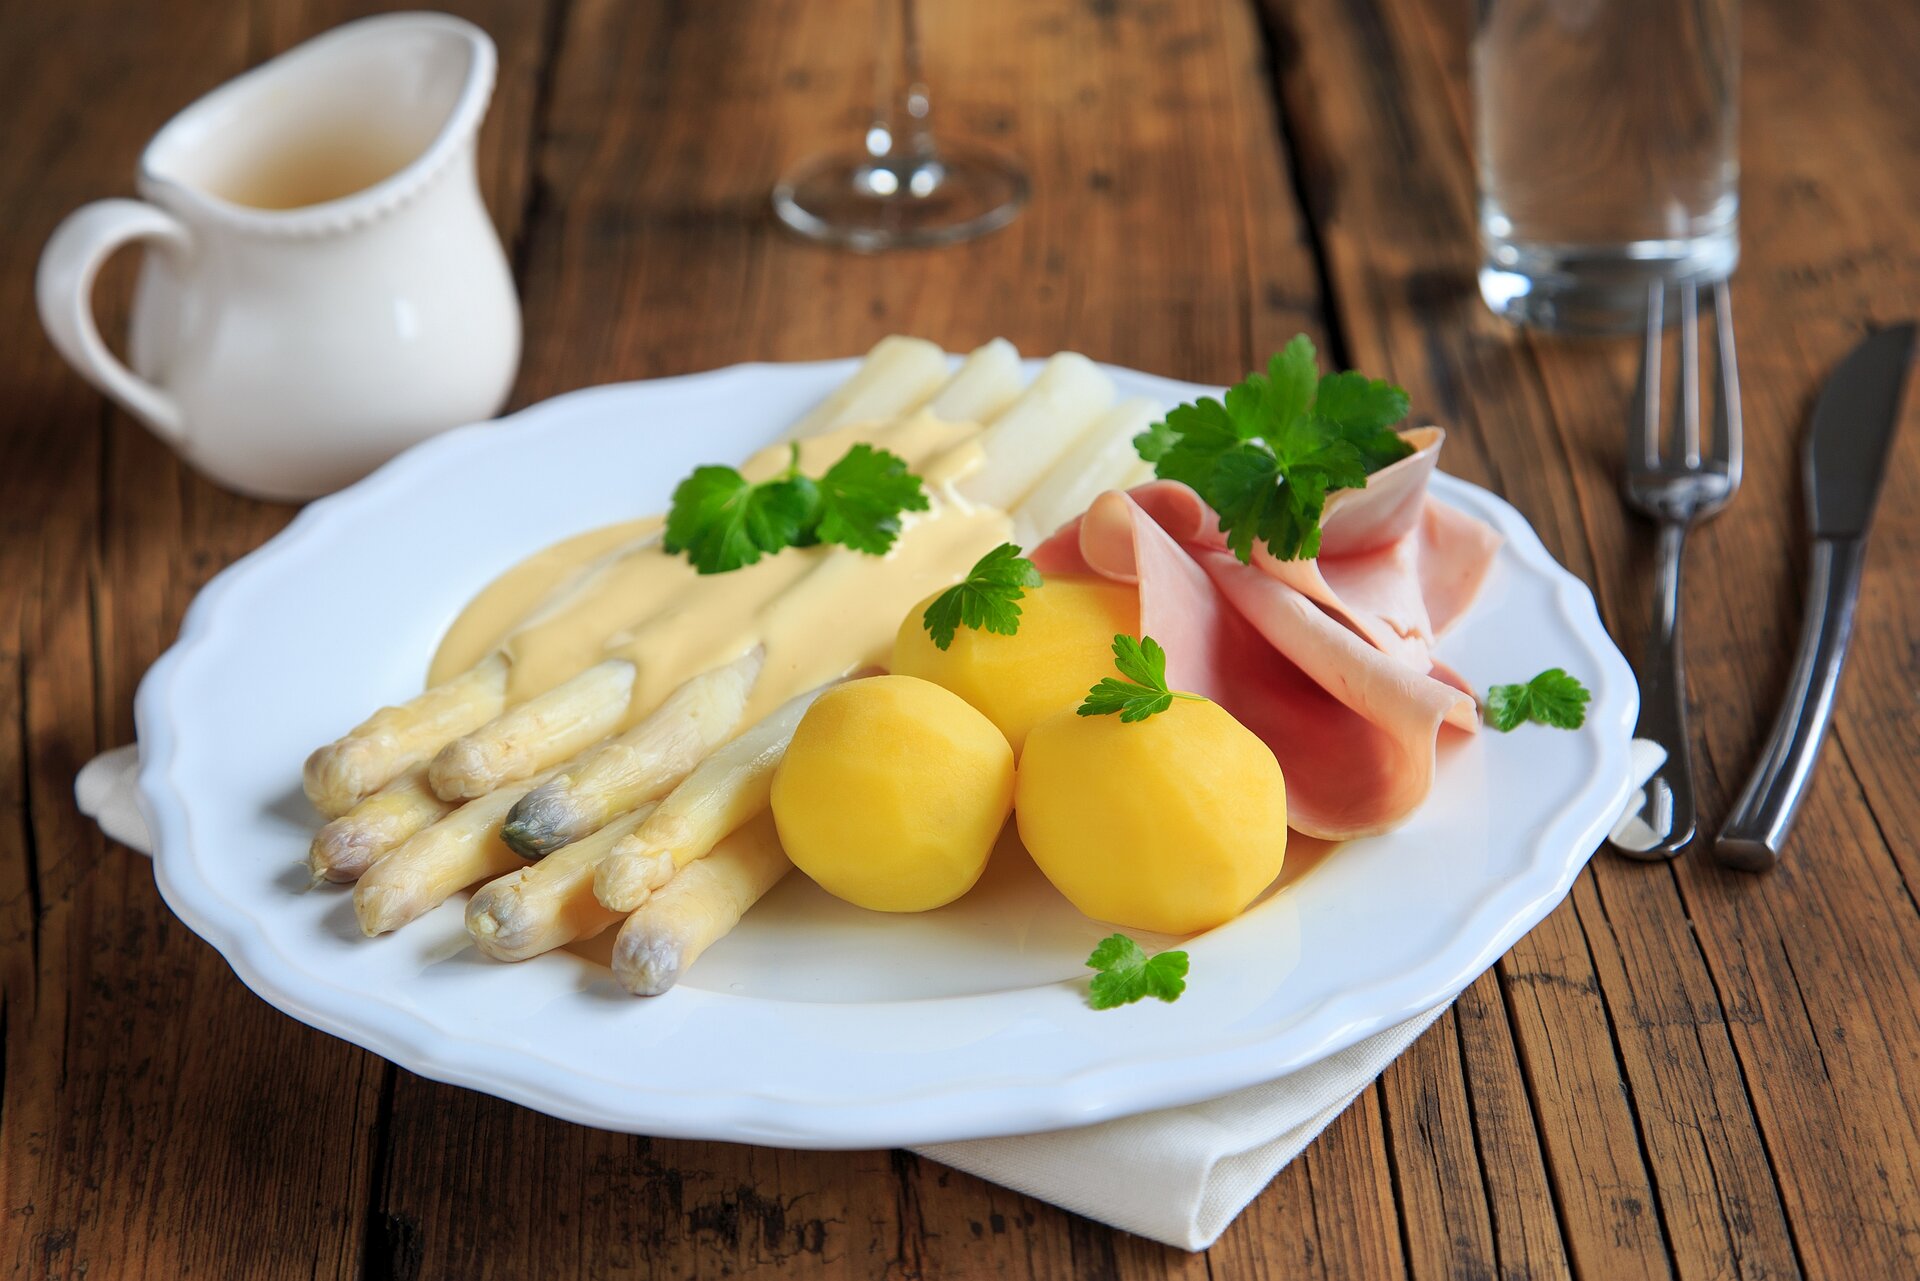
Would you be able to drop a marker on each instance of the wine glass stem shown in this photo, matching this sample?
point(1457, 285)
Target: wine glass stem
point(903, 115)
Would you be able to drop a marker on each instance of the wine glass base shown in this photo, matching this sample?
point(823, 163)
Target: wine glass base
point(868, 203)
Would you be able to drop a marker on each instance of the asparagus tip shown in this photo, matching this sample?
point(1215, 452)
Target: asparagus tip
point(541, 821)
point(376, 908)
point(649, 968)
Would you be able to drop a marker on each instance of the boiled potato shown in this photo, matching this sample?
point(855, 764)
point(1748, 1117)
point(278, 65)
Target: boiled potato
point(1064, 645)
point(892, 793)
point(1172, 824)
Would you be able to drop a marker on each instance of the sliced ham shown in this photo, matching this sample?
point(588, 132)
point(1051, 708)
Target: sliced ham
point(1328, 661)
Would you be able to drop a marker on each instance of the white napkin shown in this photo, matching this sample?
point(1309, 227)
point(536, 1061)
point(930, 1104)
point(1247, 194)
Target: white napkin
point(1179, 1176)
point(107, 795)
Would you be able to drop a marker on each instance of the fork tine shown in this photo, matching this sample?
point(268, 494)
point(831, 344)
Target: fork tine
point(1646, 393)
point(1726, 406)
point(1690, 373)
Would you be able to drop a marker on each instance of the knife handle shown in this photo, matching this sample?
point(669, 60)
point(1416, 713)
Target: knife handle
point(1756, 830)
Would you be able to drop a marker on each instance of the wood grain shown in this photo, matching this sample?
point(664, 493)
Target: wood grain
point(1632, 1005)
point(158, 1117)
point(126, 1125)
point(1681, 1073)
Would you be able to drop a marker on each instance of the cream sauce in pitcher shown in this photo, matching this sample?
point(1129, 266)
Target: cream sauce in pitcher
point(322, 285)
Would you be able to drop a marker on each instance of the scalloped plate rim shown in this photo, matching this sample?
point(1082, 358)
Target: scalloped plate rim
point(961, 1110)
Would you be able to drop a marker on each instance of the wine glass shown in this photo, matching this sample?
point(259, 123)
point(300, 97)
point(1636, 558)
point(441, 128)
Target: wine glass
point(902, 187)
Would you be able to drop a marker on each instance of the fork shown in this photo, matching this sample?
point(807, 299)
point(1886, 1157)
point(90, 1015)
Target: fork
point(1677, 482)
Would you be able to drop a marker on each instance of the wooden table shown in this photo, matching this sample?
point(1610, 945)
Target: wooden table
point(1682, 1072)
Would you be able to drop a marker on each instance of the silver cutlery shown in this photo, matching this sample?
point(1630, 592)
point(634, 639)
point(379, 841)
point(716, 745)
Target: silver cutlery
point(1677, 478)
point(1854, 424)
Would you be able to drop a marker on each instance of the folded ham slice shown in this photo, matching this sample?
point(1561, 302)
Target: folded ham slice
point(1329, 661)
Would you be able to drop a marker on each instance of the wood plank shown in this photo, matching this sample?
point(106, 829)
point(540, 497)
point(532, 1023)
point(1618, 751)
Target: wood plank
point(1527, 1235)
point(1853, 265)
point(1717, 1189)
point(1682, 1014)
point(1330, 1214)
point(1823, 962)
point(1584, 1111)
point(158, 1118)
point(1822, 950)
point(1685, 1104)
point(102, 1060)
point(1446, 1213)
point(669, 245)
point(589, 1203)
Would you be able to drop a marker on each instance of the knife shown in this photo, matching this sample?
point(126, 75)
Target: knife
point(1854, 424)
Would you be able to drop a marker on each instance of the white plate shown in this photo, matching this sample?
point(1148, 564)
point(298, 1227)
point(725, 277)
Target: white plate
point(814, 1024)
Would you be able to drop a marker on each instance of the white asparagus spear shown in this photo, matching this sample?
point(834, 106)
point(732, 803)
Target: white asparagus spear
point(1103, 459)
point(350, 844)
point(694, 910)
point(727, 789)
point(987, 381)
point(548, 904)
point(539, 733)
point(639, 765)
point(897, 376)
point(1053, 413)
point(438, 862)
point(395, 739)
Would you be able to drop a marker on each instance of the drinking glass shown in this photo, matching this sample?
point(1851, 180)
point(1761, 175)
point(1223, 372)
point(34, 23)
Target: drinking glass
point(1605, 133)
point(901, 187)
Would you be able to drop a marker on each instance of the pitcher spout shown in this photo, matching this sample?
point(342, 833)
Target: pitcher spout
point(331, 134)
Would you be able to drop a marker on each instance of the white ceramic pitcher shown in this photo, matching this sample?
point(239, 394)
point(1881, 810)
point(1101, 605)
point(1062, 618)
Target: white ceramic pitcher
point(322, 286)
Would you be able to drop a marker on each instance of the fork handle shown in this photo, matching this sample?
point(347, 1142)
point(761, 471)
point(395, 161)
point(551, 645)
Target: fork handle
point(1663, 706)
point(1757, 829)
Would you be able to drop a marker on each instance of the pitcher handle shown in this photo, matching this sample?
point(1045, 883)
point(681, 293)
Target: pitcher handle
point(64, 292)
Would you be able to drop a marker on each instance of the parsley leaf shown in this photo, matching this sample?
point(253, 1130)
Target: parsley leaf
point(1551, 698)
point(1127, 974)
point(1365, 411)
point(723, 521)
point(1184, 445)
point(1144, 693)
point(984, 599)
point(862, 496)
point(1153, 443)
point(1267, 456)
point(1293, 378)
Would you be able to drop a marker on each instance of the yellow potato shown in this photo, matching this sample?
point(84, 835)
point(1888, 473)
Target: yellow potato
point(892, 794)
point(1064, 645)
point(1172, 824)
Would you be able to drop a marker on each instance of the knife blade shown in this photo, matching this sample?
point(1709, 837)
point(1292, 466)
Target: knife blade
point(1854, 424)
point(1853, 429)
